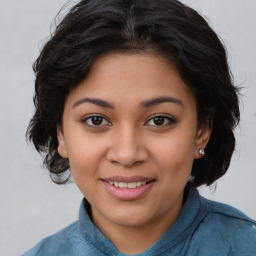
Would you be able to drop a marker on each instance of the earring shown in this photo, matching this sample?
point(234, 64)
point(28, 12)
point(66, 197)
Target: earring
point(201, 151)
point(191, 178)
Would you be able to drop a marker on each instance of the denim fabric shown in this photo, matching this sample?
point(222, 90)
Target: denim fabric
point(204, 228)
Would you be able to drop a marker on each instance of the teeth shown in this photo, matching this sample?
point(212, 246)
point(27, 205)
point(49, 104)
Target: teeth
point(138, 183)
point(123, 185)
point(132, 185)
point(127, 185)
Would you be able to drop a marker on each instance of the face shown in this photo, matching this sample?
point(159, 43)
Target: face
point(130, 133)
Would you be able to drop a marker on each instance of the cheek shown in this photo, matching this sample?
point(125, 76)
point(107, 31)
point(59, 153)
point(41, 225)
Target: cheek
point(84, 156)
point(84, 161)
point(176, 153)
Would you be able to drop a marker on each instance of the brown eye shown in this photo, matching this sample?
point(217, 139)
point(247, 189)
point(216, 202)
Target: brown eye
point(161, 121)
point(158, 120)
point(96, 121)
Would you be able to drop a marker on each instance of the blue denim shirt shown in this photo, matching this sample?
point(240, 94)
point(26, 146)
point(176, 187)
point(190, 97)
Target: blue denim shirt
point(204, 228)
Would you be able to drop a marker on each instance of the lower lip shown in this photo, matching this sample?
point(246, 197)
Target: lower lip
point(128, 193)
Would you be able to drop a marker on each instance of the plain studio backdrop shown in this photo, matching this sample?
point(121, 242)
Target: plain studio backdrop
point(32, 206)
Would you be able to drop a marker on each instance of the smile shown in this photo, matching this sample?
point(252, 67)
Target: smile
point(131, 185)
point(128, 188)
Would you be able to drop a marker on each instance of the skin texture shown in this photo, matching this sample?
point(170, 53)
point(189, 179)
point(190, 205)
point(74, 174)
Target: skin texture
point(129, 142)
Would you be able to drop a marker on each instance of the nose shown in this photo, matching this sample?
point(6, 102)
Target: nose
point(127, 148)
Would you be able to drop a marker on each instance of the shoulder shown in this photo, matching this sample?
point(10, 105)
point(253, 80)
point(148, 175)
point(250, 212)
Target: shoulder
point(228, 228)
point(60, 243)
point(229, 218)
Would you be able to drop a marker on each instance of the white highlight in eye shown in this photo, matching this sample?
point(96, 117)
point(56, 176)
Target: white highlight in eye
point(89, 121)
point(167, 120)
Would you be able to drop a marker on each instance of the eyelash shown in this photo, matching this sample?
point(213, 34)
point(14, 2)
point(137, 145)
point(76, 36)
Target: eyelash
point(85, 120)
point(167, 119)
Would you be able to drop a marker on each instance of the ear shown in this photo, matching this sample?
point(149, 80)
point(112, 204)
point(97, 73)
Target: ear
point(203, 136)
point(62, 150)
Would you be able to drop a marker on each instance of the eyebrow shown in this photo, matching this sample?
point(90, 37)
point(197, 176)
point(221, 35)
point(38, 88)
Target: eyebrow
point(145, 104)
point(98, 102)
point(158, 100)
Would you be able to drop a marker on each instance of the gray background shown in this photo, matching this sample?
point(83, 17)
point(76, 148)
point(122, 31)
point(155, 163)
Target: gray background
point(32, 207)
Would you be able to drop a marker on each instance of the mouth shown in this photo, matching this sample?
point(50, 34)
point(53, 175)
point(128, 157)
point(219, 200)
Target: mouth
point(128, 188)
point(130, 185)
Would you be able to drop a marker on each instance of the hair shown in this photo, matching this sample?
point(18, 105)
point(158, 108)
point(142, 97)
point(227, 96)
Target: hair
point(168, 28)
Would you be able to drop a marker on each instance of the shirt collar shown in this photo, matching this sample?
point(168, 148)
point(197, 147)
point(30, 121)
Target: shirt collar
point(191, 215)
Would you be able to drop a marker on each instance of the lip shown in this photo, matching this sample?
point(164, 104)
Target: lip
point(128, 194)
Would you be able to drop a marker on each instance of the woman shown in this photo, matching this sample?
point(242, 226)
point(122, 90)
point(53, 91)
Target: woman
point(135, 99)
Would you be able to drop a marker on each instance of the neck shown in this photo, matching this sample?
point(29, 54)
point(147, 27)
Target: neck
point(135, 239)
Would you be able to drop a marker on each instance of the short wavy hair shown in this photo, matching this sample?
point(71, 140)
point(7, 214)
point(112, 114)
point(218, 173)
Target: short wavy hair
point(171, 30)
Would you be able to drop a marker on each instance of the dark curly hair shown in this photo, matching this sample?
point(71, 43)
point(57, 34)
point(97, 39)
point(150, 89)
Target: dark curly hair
point(171, 30)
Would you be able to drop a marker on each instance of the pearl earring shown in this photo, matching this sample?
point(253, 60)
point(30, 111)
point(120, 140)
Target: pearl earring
point(201, 151)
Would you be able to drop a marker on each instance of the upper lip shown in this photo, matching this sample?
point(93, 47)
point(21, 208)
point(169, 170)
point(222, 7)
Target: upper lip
point(129, 179)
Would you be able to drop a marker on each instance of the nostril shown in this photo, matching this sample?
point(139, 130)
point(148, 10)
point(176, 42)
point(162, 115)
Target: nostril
point(127, 154)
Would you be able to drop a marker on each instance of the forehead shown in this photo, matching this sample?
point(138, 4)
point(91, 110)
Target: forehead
point(132, 78)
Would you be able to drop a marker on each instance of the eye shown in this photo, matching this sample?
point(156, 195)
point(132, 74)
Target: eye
point(161, 121)
point(96, 121)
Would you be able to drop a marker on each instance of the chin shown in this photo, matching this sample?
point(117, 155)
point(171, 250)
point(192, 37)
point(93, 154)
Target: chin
point(130, 217)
